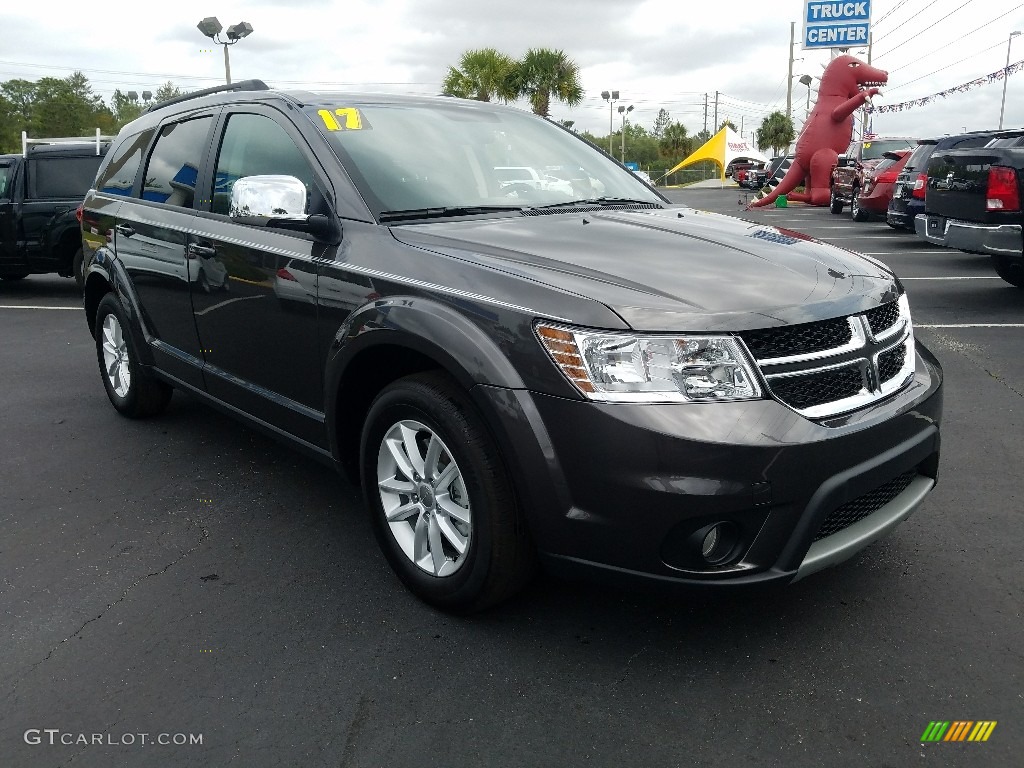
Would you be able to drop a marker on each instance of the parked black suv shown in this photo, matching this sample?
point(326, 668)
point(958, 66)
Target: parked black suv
point(908, 194)
point(617, 384)
point(40, 191)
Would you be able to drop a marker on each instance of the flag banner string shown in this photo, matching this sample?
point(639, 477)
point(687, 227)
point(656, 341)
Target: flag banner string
point(993, 77)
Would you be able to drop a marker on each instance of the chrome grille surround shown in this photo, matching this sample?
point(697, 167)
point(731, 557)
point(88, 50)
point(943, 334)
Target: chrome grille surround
point(860, 354)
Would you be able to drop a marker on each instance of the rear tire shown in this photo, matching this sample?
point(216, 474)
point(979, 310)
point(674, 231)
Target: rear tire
point(132, 390)
point(77, 265)
point(834, 203)
point(1012, 271)
point(452, 532)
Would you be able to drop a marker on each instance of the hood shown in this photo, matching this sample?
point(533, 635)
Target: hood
point(670, 269)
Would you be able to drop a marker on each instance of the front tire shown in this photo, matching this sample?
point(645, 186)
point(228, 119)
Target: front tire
point(440, 499)
point(856, 212)
point(132, 391)
point(834, 203)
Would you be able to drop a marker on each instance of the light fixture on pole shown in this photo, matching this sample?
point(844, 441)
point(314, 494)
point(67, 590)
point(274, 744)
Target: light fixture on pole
point(211, 27)
point(611, 97)
point(1006, 76)
point(624, 111)
point(807, 80)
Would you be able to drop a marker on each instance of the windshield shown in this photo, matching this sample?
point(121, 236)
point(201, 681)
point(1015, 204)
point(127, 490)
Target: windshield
point(872, 150)
point(412, 156)
point(5, 174)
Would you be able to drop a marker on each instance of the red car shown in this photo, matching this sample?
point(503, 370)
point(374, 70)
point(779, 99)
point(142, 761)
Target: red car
point(878, 183)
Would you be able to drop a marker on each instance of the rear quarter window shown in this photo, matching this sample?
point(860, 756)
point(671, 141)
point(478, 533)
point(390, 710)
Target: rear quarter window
point(117, 177)
point(62, 177)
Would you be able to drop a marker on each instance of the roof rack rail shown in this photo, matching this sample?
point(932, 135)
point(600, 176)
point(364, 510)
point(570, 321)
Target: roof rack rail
point(99, 138)
point(241, 85)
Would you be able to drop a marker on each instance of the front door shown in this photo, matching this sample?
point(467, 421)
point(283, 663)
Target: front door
point(255, 297)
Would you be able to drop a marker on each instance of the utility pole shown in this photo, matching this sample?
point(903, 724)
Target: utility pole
point(705, 113)
point(716, 111)
point(864, 124)
point(789, 78)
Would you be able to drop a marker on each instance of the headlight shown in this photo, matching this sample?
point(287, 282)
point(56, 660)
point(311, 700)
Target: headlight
point(637, 368)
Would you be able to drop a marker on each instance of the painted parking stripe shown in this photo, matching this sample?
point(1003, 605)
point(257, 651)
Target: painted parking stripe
point(971, 325)
point(35, 306)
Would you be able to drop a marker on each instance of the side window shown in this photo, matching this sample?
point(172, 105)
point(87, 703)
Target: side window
point(174, 163)
point(5, 175)
point(62, 177)
point(255, 145)
point(118, 177)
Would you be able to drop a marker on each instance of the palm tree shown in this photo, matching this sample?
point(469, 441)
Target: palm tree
point(675, 142)
point(544, 74)
point(483, 73)
point(776, 131)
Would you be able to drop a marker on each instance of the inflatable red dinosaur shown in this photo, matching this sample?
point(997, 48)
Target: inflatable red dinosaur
point(846, 84)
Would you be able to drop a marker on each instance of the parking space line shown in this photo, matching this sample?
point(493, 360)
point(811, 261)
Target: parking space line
point(34, 306)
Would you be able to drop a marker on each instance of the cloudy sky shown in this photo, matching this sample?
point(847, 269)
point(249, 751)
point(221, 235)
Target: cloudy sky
point(657, 53)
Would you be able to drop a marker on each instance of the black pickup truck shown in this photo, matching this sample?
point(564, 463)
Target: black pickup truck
point(40, 192)
point(972, 202)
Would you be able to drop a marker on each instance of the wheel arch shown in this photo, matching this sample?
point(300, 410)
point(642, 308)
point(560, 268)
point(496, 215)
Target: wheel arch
point(393, 339)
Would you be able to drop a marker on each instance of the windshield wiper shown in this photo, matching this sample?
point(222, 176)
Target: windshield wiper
point(445, 211)
point(598, 201)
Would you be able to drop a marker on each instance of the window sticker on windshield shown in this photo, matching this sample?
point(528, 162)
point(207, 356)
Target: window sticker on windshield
point(343, 119)
point(867, 144)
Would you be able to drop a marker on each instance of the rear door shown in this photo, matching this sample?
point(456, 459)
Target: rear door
point(8, 228)
point(255, 298)
point(150, 237)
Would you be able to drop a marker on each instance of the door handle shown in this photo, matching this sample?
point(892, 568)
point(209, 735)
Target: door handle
point(124, 229)
point(201, 251)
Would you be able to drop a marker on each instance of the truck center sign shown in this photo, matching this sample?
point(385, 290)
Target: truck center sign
point(836, 25)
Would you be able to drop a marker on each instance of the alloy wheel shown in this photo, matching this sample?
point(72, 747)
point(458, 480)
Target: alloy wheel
point(115, 356)
point(424, 498)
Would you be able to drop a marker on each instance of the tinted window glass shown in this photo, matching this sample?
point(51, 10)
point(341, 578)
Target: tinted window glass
point(118, 177)
point(919, 157)
point(5, 175)
point(1014, 141)
point(68, 177)
point(174, 163)
point(255, 145)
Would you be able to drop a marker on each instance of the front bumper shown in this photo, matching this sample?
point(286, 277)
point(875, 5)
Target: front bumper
point(991, 239)
point(618, 491)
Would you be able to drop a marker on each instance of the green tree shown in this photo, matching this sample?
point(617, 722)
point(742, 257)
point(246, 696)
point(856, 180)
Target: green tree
point(728, 122)
point(125, 110)
point(661, 122)
point(675, 142)
point(701, 137)
point(166, 91)
point(568, 124)
point(776, 131)
point(482, 74)
point(545, 73)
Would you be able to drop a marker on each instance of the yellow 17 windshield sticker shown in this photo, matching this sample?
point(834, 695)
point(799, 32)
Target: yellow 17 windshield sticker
point(343, 119)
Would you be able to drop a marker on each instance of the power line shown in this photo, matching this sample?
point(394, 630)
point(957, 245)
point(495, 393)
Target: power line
point(967, 2)
point(901, 24)
point(961, 61)
point(891, 11)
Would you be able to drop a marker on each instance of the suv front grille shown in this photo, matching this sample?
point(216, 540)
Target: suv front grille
point(891, 363)
point(798, 339)
point(861, 507)
point(883, 318)
point(835, 366)
point(813, 389)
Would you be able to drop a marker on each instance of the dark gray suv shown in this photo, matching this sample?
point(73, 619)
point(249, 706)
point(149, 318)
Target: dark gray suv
point(580, 374)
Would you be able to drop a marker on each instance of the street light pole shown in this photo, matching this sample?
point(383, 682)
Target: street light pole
point(211, 27)
point(624, 111)
point(611, 97)
point(1002, 106)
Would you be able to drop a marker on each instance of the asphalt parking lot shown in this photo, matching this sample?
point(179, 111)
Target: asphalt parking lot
point(185, 575)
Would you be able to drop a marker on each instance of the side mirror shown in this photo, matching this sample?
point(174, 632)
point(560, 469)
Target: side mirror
point(279, 201)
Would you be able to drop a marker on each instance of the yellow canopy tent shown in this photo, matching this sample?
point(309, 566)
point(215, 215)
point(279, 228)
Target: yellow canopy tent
point(724, 147)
